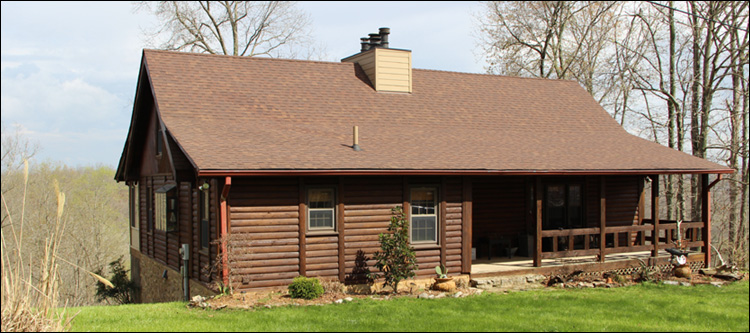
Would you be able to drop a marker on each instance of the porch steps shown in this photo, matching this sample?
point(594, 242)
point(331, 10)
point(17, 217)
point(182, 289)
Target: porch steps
point(511, 282)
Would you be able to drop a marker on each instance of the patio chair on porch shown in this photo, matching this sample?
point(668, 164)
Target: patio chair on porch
point(495, 241)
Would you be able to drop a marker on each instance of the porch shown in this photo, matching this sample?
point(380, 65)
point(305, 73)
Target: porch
point(611, 231)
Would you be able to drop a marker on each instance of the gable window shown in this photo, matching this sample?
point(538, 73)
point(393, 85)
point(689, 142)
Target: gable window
point(205, 216)
point(321, 214)
point(563, 206)
point(166, 208)
point(423, 218)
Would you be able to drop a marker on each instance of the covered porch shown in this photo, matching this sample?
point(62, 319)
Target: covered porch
point(599, 221)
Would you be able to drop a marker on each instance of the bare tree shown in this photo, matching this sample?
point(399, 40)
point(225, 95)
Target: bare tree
point(240, 28)
point(678, 70)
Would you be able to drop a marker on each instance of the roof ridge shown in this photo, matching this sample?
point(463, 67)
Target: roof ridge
point(240, 57)
point(496, 75)
point(348, 64)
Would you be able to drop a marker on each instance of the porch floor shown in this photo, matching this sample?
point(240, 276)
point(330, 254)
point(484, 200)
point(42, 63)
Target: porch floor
point(505, 264)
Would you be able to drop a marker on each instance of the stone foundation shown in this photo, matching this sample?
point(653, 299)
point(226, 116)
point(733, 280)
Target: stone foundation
point(410, 285)
point(148, 274)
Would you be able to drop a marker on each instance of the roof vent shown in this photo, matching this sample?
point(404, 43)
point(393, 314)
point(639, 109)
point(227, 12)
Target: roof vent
point(355, 146)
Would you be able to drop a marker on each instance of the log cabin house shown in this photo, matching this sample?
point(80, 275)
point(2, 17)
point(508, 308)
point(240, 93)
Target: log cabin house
point(300, 162)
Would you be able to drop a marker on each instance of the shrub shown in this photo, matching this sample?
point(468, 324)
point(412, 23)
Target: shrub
point(306, 288)
point(396, 258)
point(124, 289)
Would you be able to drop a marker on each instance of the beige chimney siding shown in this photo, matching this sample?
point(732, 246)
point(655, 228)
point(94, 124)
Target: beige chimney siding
point(387, 69)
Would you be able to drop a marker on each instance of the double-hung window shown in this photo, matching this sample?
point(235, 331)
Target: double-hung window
point(424, 219)
point(321, 212)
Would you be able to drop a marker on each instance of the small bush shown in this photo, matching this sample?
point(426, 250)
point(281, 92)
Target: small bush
point(306, 288)
point(333, 287)
point(124, 289)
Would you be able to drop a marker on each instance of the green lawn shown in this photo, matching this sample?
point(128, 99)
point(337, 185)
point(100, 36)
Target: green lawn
point(647, 307)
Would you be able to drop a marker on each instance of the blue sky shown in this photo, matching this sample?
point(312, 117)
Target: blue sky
point(69, 69)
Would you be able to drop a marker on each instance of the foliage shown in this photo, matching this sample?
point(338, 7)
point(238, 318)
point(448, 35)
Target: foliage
point(240, 28)
point(647, 273)
point(29, 300)
point(441, 271)
point(95, 219)
point(647, 307)
point(305, 288)
point(396, 258)
point(123, 290)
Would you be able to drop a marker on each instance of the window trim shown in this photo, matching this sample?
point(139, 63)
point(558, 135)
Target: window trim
point(333, 209)
point(436, 201)
point(166, 206)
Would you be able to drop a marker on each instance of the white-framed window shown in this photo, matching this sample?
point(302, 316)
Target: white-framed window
point(166, 208)
point(321, 209)
point(424, 218)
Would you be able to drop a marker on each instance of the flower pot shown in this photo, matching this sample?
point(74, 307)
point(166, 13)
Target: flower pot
point(683, 271)
point(444, 284)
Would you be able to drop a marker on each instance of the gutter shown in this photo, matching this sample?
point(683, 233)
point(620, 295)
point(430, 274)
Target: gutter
point(445, 172)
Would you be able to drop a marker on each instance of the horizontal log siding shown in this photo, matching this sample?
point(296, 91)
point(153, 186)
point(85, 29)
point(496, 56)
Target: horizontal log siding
point(264, 225)
point(367, 213)
point(163, 246)
point(453, 225)
point(623, 198)
point(264, 229)
point(498, 207)
point(322, 256)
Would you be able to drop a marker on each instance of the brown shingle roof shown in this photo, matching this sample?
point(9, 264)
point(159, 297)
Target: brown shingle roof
point(243, 114)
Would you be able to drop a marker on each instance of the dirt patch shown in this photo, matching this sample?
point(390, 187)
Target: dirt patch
point(335, 293)
point(270, 298)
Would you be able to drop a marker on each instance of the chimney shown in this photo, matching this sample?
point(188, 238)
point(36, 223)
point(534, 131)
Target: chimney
point(388, 69)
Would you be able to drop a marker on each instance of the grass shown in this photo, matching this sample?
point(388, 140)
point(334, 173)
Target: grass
point(647, 307)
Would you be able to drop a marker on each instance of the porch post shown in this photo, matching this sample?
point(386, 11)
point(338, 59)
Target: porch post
point(602, 217)
point(466, 226)
point(302, 228)
point(655, 214)
point(706, 217)
point(538, 230)
point(342, 230)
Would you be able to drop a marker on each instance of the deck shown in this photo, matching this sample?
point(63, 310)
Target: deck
point(525, 265)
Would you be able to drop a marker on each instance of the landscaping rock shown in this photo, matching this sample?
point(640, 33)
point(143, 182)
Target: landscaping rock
point(671, 283)
point(717, 284)
point(339, 301)
point(458, 294)
point(348, 299)
point(424, 295)
point(440, 295)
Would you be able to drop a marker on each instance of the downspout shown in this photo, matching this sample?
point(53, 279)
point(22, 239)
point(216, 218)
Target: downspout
point(224, 233)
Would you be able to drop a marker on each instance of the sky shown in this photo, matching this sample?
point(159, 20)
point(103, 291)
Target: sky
point(69, 69)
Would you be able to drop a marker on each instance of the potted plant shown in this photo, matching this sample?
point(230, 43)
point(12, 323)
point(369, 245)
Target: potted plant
point(443, 282)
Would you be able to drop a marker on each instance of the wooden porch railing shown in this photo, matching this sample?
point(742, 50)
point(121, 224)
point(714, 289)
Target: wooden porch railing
point(619, 239)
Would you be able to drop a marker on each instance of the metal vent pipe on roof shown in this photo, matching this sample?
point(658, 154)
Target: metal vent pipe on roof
point(365, 44)
point(355, 146)
point(384, 32)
